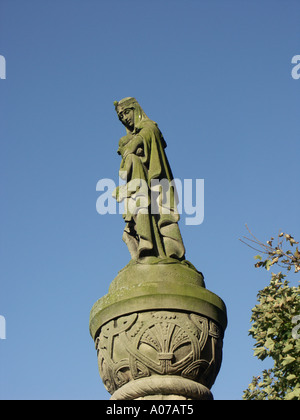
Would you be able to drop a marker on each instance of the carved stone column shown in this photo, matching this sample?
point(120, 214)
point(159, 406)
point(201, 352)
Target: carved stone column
point(159, 334)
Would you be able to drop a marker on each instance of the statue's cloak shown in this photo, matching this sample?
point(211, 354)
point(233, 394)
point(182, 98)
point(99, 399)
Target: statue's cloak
point(153, 234)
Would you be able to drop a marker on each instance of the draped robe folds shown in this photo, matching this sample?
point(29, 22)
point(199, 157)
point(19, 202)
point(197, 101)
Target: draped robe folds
point(145, 233)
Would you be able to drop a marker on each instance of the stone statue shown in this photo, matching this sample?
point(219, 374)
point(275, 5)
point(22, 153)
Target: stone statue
point(158, 331)
point(150, 214)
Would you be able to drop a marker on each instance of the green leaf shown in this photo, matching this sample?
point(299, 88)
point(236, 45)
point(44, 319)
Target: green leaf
point(270, 344)
point(293, 394)
point(271, 331)
point(257, 257)
point(260, 353)
point(268, 265)
point(288, 348)
point(287, 360)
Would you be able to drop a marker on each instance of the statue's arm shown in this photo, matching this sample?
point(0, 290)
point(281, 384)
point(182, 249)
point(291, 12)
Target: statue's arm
point(136, 143)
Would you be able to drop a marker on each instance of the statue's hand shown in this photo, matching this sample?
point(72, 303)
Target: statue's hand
point(140, 152)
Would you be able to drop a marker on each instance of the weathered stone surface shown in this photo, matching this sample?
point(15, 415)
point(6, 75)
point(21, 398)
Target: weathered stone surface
point(162, 388)
point(147, 232)
point(159, 333)
point(140, 287)
point(163, 346)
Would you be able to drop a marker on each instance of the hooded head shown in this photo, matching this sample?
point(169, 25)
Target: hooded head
point(130, 114)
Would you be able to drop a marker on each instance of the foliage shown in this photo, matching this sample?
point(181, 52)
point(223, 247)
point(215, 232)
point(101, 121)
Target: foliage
point(273, 323)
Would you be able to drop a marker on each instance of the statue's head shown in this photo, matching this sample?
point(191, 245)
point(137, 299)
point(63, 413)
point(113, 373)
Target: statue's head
point(130, 113)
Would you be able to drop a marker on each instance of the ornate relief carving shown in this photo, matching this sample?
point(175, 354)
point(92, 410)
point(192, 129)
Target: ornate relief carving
point(144, 344)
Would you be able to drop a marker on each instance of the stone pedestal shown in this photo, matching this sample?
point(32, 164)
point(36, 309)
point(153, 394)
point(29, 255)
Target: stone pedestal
point(159, 333)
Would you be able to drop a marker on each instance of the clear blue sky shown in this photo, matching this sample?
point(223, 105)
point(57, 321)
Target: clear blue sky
point(216, 76)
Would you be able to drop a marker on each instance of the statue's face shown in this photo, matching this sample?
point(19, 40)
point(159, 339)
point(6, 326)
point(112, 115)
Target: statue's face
point(127, 117)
